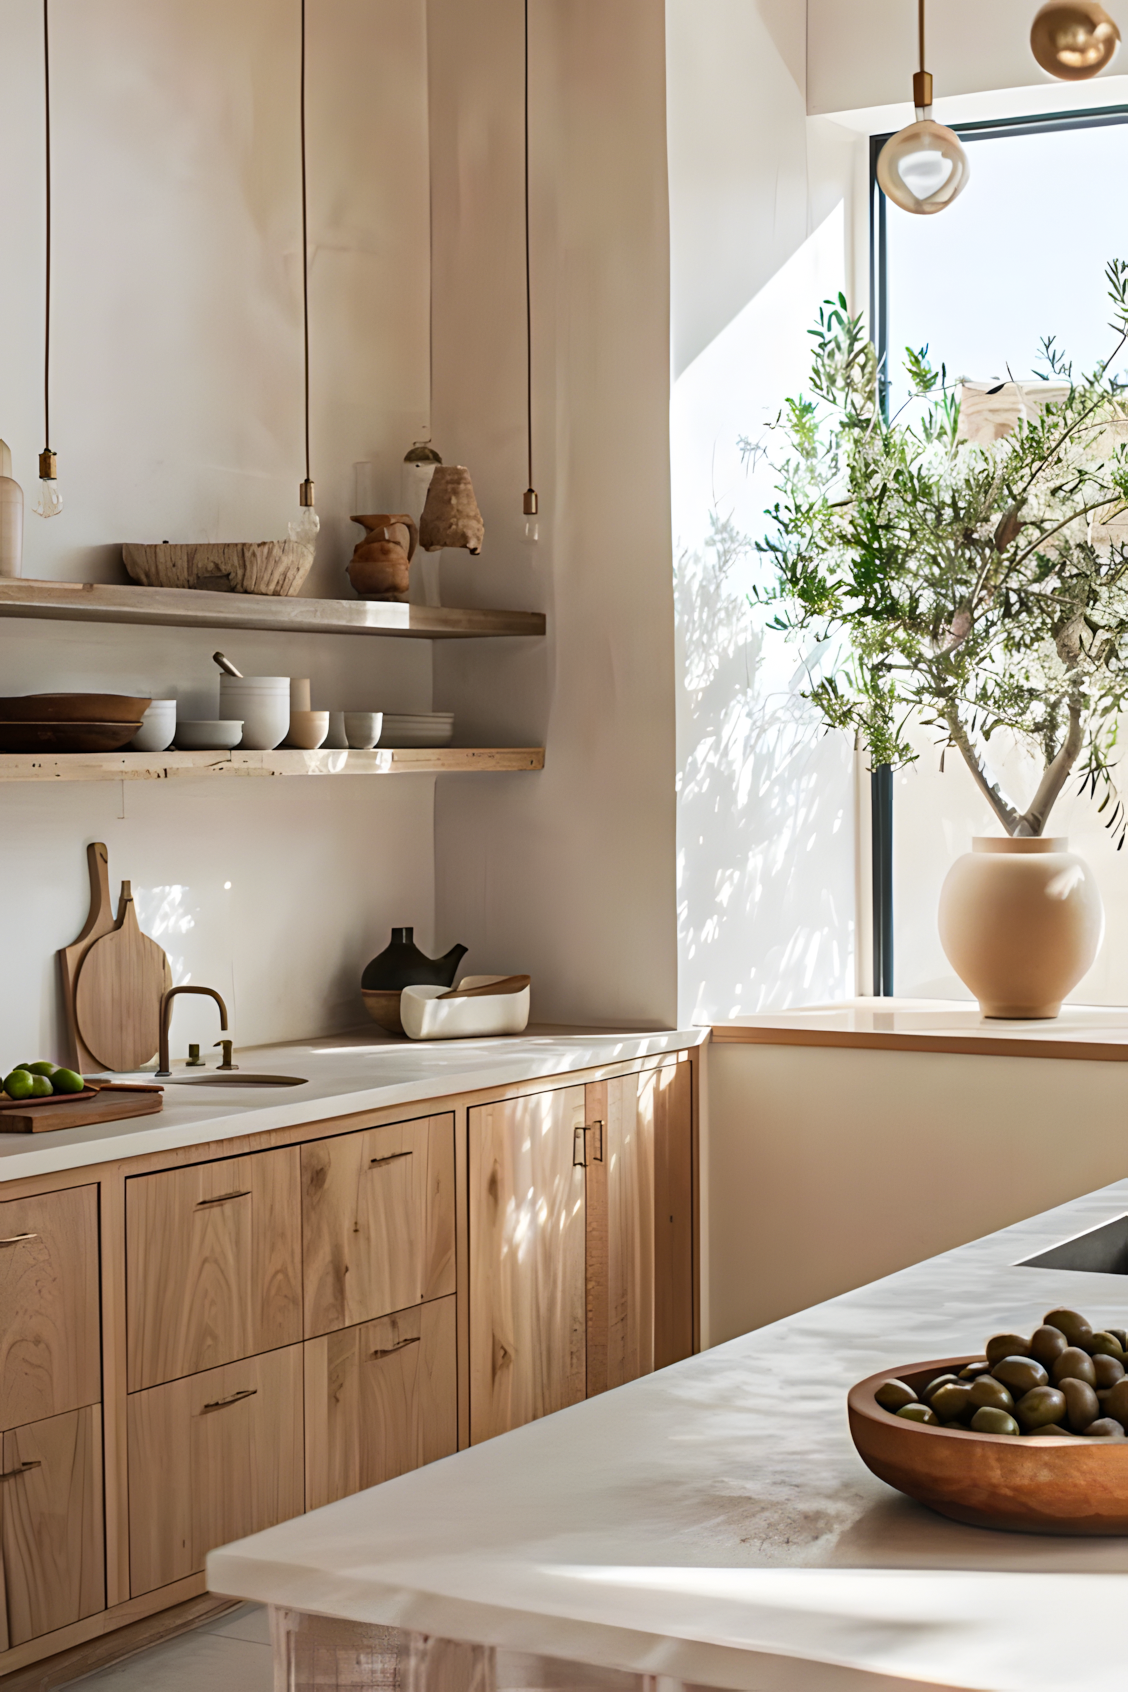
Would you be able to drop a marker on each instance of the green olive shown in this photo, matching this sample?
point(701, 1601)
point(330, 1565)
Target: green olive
point(953, 1400)
point(1122, 1335)
point(1108, 1370)
point(1054, 1430)
point(1081, 1405)
point(971, 1371)
point(1105, 1428)
point(1074, 1327)
point(1043, 1404)
point(1006, 1345)
point(1074, 1365)
point(988, 1393)
point(1114, 1403)
point(988, 1420)
point(933, 1386)
point(919, 1413)
point(1105, 1344)
point(1020, 1374)
point(891, 1395)
point(1046, 1344)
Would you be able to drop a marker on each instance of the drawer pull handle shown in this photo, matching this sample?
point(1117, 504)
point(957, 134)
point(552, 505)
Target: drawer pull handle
point(10, 1474)
point(223, 1198)
point(236, 1398)
point(393, 1157)
point(17, 1239)
point(580, 1159)
point(392, 1349)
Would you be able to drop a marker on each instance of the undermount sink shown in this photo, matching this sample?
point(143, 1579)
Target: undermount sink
point(235, 1079)
point(1102, 1251)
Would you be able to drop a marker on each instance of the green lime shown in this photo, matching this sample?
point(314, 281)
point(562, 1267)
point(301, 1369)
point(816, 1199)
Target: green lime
point(41, 1067)
point(41, 1088)
point(66, 1081)
point(18, 1084)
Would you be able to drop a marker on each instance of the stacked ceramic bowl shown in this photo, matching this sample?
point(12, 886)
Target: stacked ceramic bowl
point(263, 705)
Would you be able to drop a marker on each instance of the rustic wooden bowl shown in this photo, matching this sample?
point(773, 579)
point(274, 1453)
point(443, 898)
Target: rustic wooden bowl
point(66, 737)
point(73, 708)
point(383, 1008)
point(1023, 1485)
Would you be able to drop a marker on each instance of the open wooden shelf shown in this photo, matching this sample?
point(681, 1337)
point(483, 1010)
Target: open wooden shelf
point(163, 766)
point(101, 602)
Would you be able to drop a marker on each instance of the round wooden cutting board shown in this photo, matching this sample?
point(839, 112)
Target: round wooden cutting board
point(117, 997)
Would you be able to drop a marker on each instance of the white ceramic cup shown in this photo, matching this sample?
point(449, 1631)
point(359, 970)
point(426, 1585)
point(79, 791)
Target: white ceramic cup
point(158, 727)
point(362, 728)
point(263, 702)
point(337, 740)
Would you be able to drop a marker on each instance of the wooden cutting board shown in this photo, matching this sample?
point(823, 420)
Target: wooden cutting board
point(99, 922)
point(46, 1115)
point(117, 998)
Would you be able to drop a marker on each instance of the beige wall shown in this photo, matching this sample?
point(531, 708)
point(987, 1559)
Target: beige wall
point(570, 875)
point(827, 1169)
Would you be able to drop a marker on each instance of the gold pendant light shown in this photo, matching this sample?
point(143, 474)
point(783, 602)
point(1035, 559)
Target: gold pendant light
point(1074, 39)
point(49, 501)
point(305, 528)
point(531, 503)
point(923, 168)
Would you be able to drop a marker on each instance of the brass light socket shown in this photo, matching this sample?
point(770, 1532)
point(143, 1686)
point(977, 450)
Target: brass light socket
point(531, 506)
point(922, 90)
point(305, 493)
point(48, 466)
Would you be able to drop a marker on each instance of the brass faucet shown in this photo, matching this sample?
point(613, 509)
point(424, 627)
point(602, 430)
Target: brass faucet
point(166, 1019)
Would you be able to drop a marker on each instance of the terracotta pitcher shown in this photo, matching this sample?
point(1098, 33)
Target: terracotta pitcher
point(380, 567)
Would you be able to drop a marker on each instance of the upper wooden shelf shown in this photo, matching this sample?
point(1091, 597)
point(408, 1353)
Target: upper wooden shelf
point(102, 602)
point(167, 766)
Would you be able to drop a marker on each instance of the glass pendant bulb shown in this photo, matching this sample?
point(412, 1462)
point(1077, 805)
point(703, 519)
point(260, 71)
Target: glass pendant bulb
point(1073, 39)
point(48, 501)
point(923, 168)
point(532, 526)
point(306, 527)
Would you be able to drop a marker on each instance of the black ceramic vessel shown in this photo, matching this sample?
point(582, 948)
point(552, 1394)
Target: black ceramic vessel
point(401, 964)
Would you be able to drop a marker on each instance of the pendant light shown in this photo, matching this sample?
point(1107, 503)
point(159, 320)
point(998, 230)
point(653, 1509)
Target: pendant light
point(531, 503)
point(305, 528)
point(923, 168)
point(48, 501)
point(1074, 39)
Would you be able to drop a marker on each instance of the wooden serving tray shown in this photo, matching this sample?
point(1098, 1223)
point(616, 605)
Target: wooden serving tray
point(78, 1110)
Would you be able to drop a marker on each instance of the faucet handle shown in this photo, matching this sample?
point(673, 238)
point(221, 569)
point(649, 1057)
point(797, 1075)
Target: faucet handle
point(228, 1048)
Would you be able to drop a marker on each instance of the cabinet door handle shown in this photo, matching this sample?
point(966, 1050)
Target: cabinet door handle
point(16, 1239)
point(223, 1198)
point(236, 1398)
point(580, 1159)
point(392, 1349)
point(22, 1468)
point(393, 1157)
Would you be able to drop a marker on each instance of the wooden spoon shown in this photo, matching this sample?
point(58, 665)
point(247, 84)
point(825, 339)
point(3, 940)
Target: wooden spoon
point(507, 984)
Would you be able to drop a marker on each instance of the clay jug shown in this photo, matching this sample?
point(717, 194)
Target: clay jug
point(451, 516)
point(380, 567)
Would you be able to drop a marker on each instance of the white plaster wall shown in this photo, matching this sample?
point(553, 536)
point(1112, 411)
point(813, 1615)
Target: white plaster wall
point(570, 874)
point(759, 236)
point(177, 414)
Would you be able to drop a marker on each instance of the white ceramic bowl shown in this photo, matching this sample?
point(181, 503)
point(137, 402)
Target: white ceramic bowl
point(426, 1015)
point(362, 728)
point(337, 740)
point(308, 729)
point(218, 736)
point(433, 728)
point(263, 702)
point(158, 726)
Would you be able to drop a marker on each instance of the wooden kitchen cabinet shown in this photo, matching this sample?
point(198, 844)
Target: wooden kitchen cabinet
point(211, 1458)
point(378, 1221)
point(50, 1334)
point(213, 1261)
point(380, 1399)
point(51, 1540)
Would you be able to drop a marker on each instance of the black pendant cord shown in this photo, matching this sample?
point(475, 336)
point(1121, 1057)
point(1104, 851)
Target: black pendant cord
point(305, 243)
point(47, 305)
point(920, 29)
point(528, 273)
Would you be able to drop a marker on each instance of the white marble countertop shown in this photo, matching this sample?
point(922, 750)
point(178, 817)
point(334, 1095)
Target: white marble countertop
point(713, 1522)
point(350, 1072)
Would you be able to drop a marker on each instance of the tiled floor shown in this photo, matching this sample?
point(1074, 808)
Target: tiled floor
point(228, 1655)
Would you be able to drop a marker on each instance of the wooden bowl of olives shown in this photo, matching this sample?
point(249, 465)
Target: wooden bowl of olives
point(1029, 1436)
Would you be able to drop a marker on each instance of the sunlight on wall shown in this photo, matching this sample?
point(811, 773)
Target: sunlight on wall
point(765, 797)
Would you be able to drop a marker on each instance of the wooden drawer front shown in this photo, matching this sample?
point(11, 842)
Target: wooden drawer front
point(378, 1222)
point(51, 1546)
point(212, 1458)
point(49, 1332)
point(379, 1400)
point(213, 1257)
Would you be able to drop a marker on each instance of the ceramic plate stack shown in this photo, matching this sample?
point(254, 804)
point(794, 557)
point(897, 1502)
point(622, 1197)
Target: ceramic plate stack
point(70, 722)
point(436, 728)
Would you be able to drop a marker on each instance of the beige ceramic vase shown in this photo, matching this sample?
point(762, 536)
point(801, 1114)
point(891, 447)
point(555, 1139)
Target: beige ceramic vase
point(1020, 922)
point(451, 516)
point(380, 566)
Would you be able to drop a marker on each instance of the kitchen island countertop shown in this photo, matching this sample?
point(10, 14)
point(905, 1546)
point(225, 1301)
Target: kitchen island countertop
point(345, 1073)
point(713, 1523)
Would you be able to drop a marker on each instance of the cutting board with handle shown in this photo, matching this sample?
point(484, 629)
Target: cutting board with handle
point(117, 998)
point(99, 922)
point(80, 1110)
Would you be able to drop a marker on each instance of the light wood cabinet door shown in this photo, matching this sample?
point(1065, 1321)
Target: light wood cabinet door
point(666, 1102)
point(528, 1323)
point(377, 1222)
point(51, 1543)
point(620, 1233)
point(50, 1338)
point(380, 1399)
point(212, 1458)
point(213, 1258)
